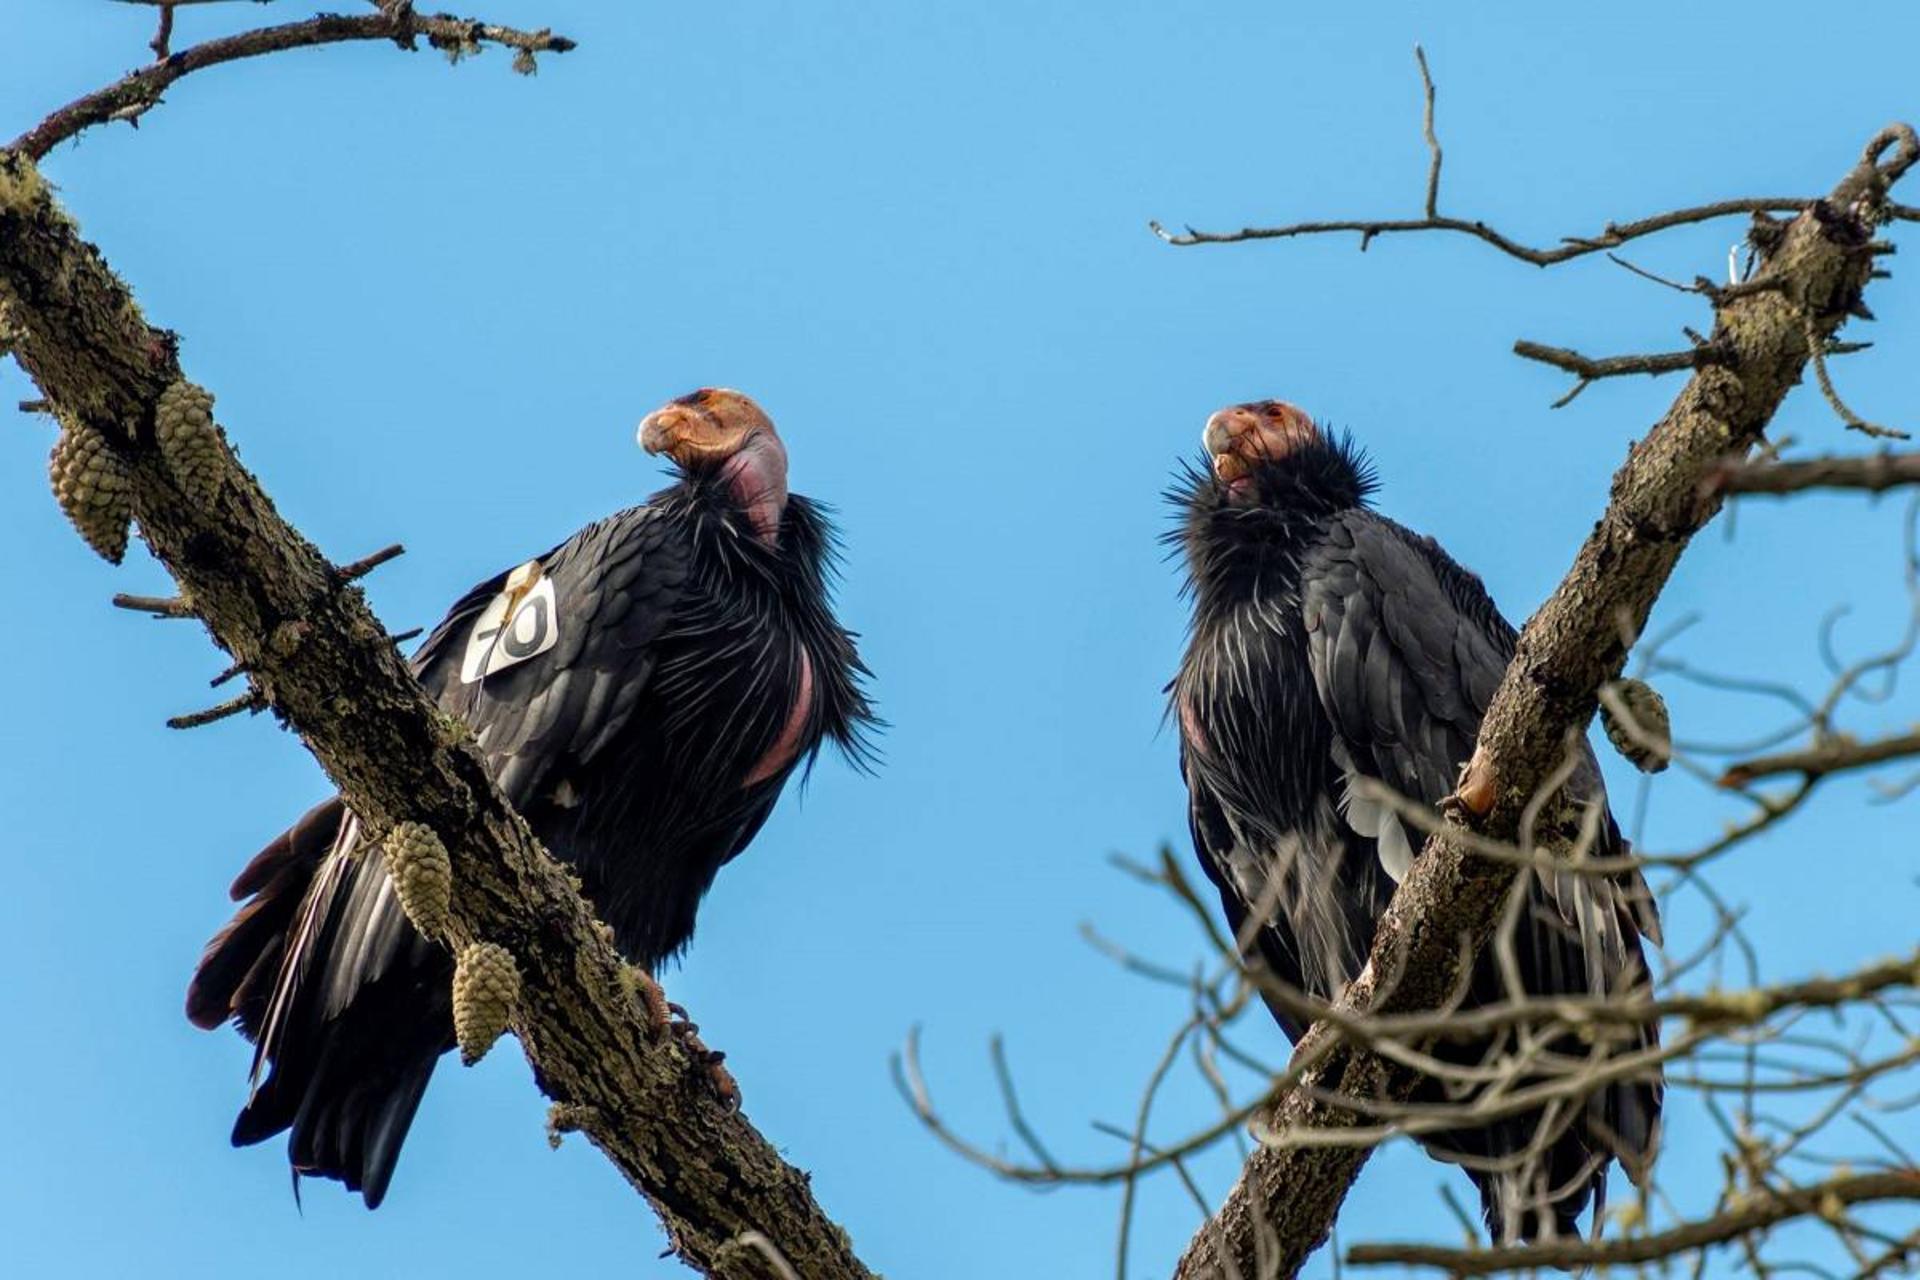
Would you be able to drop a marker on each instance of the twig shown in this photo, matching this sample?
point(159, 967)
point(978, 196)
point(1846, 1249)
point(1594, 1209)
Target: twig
point(1815, 348)
point(1756, 1212)
point(139, 91)
point(175, 607)
point(1589, 369)
point(1611, 236)
point(250, 702)
point(1010, 1097)
point(768, 1250)
point(1645, 274)
point(367, 564)
point(158, 606)
point(163, 38)
point(1874, 473)
point(1433, 140)
point(1817, 762)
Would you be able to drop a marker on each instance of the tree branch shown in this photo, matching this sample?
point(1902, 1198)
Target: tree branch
point(1285, 1202)
point(643, 1098)
point(138, 92)
point(1874, 473)
point(1613, 235)
point(1817, 762)
point(1757, 1211)
point(1588, 369)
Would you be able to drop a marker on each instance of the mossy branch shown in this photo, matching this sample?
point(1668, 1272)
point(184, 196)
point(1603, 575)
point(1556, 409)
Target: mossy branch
point(641, 1097)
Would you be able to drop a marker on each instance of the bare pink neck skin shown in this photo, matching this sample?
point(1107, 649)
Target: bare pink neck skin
point(756, 476)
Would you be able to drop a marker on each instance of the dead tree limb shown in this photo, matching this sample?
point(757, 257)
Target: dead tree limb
point(138, 92)
point(1836, 756)
point(1758, 1211)
point(337, 679)
point(1874, 473)
point(1284, 1205)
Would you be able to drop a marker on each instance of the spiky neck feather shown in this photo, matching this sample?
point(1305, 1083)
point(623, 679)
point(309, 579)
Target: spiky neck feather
point(1244, 540)
point(795, 572)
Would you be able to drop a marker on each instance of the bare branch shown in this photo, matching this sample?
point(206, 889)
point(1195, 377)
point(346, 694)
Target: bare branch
point(249, 702)
point(1836, 756)
point(1589, 369)
point(1757, 1211)
point(1854, 421)
point(158, 606)
point(177, 607)
point(1611, 236)
point(1433, 140)
point(140, 91)
point(1875, 473)
point(367, 564)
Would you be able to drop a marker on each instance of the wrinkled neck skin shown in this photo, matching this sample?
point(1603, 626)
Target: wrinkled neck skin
point(756, 479)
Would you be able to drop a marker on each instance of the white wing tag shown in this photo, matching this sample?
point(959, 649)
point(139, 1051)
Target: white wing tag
point(521, 622)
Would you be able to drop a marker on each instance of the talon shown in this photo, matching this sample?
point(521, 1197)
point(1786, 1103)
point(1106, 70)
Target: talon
point(655, 1008)
point(724, 1085)
point(1475, 790)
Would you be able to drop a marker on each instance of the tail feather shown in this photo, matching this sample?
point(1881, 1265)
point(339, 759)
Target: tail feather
point(236, 972)
point(349, 1092)
point(349, 1007)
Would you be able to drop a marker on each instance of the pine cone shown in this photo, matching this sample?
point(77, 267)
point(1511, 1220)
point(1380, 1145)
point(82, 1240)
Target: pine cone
point(191, 443)
point(92, 485)
point(1651, 750)
point(422, 876)
point(486, 984)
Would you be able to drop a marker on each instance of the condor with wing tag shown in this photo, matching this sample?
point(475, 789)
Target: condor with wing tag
point(644, 738)
point(521, 622)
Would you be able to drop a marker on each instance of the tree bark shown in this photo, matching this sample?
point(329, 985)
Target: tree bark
point(1811, 275)
point(327, 667)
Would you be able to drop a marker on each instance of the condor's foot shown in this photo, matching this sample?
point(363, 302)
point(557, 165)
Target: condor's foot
point(711, 1061)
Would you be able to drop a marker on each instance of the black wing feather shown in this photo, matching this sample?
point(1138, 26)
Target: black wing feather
point(615, 584)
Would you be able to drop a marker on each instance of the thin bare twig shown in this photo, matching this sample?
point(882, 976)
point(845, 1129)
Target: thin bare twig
point(1840, 754)
point(250, 702)
point(176, 607)
point(1611, 236)
point(1758, 1211)
point(1433, 140)
point(158, 606)
point(1589, 370)
point(367, 564)
point(1854, 421)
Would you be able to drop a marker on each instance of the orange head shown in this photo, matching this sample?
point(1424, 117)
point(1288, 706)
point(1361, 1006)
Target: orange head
point(704, 428)
point(1240, 438)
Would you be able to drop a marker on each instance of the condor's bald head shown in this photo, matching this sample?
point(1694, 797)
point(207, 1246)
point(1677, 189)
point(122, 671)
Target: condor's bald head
point(715, 431)
point(1241, 438)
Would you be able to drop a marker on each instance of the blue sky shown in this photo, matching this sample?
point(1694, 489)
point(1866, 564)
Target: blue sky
point(434, 301)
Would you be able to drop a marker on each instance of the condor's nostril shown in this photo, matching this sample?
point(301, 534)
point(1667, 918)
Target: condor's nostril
point(1217, 436)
